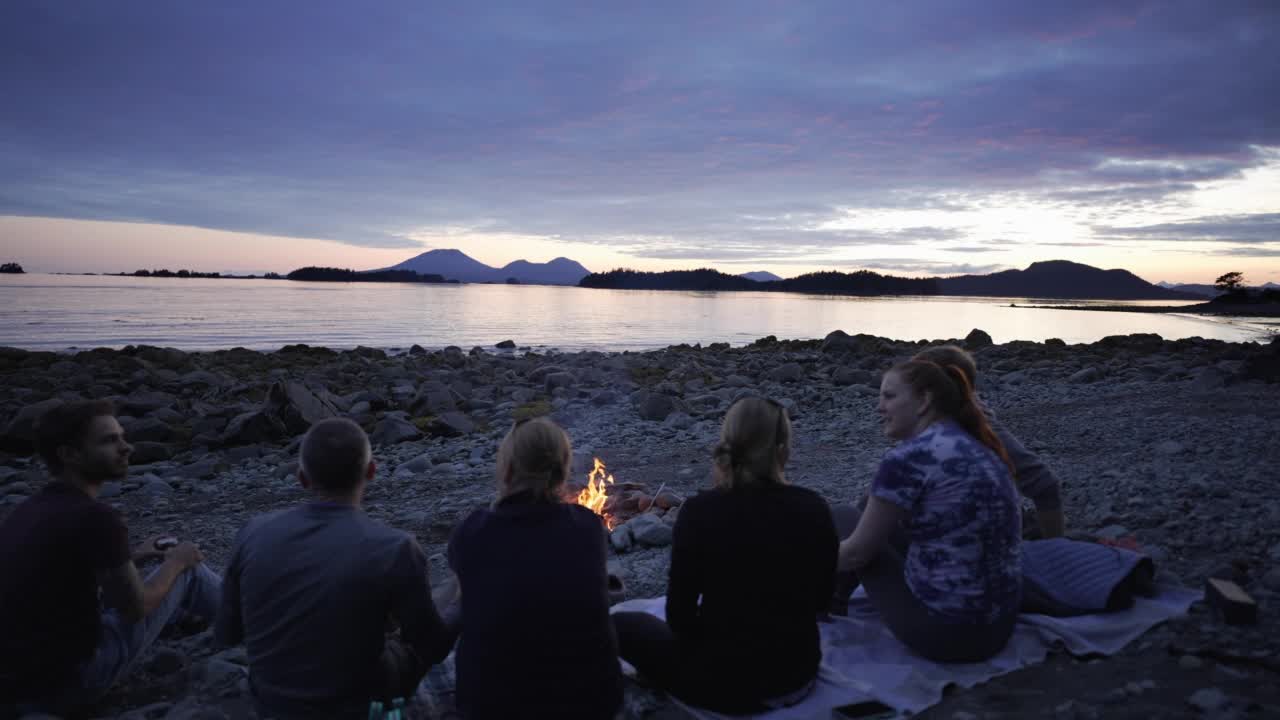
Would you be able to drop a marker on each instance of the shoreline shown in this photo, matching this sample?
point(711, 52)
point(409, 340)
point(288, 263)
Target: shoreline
point(1171, 442)
point(1263, 310)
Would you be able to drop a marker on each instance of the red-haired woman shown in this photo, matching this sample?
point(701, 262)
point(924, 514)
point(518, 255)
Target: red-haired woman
point(937, 547)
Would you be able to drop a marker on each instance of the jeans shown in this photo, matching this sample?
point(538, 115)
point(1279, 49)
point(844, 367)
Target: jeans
point(196, 591)
point(928, 633)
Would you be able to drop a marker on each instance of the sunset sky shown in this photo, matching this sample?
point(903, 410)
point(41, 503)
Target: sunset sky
point(910, 138)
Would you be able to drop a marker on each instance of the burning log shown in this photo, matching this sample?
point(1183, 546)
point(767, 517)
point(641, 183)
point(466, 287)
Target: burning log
point(618, 502)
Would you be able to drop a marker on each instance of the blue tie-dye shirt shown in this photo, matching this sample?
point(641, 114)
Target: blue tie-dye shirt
point(964, 522)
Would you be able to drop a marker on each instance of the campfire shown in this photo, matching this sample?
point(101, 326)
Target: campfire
point(596, 494)
point(617, 502)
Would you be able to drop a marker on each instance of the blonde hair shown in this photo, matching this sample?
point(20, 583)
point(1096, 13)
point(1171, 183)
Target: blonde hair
point(536, 455)
point(755, 443)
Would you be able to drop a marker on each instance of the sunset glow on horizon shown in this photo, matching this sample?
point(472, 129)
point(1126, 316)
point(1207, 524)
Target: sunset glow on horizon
point(922, 139)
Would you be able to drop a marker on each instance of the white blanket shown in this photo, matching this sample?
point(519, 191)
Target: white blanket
point(861, 660)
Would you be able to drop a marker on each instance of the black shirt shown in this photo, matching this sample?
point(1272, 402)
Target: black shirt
point(536, 638)
point(763, 562)
point(51, 547)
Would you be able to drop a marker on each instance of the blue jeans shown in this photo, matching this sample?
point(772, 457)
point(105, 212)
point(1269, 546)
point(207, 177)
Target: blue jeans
point(196, 591)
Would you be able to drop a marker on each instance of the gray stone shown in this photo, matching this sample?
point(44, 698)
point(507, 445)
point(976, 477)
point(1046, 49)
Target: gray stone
point(648, 529)
point(392, 430)
point(434, 401)
point(297, 407)
point(604, 397)
point(1208, 699)
point(705, 403)
point(418, 464)
point(737, 381)
point(157, 488)
point(786, 373)
point(202, 469)
point(1087, 375)
point(1190, 662)
point(506, 345)
point(146, 452)
point(621, 538)
point(255, 426)
point(559, 380)
point(452, 424)
point(149, 429)
point(977, 339)
point(656, 407)
point(678, 420)
point(141, 403)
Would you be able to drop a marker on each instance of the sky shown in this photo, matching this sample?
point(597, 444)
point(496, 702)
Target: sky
point(910, 138)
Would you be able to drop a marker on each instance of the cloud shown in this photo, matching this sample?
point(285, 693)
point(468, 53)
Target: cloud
point(931, 267)
point(1249, 252)
point(708, 125)
point(973, 249)
point(1252, 228)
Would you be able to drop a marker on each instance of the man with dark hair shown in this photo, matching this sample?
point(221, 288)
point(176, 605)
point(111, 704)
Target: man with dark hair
point(62, 547)
point(310, 591)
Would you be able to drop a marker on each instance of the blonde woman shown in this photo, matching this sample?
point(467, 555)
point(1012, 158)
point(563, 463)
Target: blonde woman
point(536, 638)
point(751, 570)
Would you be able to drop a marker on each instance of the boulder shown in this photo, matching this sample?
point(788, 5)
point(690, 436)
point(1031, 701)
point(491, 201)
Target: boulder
point(17, 436)
point(433, 399)
point(452, 424)
point(656, 407)
point(845, 376)
point(559, 380)
point(143, 403)
point(1086, 375)
point(648, 529)
point(392, 430)
point(297, 407)
point(977, 339)
point(604, 397)
point(147, 451)
point(506, 345)
point(786, 373)
point(838, 341)
point(149, 429)
point(255, 426)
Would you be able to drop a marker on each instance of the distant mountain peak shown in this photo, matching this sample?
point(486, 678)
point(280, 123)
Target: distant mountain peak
point(457, 265)
point(760, 276)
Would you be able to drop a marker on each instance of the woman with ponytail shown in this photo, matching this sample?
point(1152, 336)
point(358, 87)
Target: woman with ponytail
point(536, 637)
point(937, 546)
point(750, 572)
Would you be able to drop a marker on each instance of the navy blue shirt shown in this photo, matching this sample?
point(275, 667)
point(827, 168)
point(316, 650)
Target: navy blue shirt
point(536, 636)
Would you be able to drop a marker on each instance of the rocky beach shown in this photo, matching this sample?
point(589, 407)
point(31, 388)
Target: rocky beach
point(1172, 443)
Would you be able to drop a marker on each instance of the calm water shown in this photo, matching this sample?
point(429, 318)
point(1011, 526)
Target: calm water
point(59, 311)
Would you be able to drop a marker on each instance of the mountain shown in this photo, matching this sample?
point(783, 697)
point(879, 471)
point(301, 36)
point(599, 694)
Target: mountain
point(1208, 291)
point(561, 271)
point(457, 265)
point(760, 276)
point(1060, 279)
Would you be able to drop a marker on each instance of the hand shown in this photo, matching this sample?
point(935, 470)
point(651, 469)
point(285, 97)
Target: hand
point(185, 555)
point(447, 592)
point(147, 549)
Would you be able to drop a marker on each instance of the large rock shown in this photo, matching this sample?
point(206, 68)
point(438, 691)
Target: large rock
point(656, 407)
point(392, 430)
point(787, 373)
point(17, 436)
point(297, 407)
point(977, 339)
point(149, 429)
point(838, 341)
point(142, 403)
point(1086, 375)
point(648, 529)
point(434, 399)
point(256, 426)
point(452, 424)
point(289, 409)
point(146, 451)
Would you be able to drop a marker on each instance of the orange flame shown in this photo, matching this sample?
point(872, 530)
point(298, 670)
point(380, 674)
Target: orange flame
point(594, 495)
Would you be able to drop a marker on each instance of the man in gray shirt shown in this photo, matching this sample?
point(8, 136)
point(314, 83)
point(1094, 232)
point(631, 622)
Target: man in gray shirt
point(311, 590)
